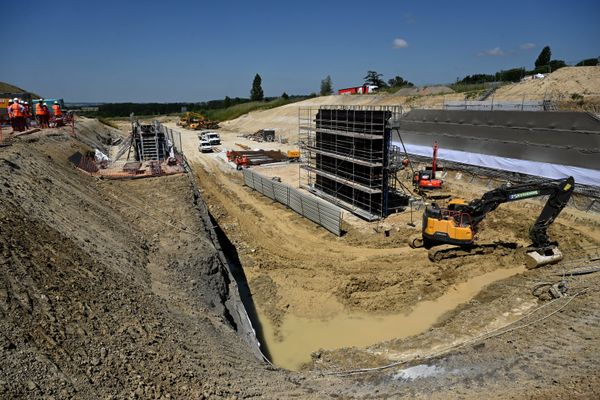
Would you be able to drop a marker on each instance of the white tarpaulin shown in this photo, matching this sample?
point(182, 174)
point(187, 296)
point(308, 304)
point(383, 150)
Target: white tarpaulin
point(554, 171)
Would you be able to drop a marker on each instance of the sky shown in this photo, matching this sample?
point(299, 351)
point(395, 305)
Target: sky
point(166, 51)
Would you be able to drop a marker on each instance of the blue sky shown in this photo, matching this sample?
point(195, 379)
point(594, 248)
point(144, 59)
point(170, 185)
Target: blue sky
point(197, 50)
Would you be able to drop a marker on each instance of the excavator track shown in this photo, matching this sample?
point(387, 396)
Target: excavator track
point(447, 251)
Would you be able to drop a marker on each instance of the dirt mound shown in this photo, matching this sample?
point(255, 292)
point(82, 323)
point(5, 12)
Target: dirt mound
point(96, 135)
point(559, 85)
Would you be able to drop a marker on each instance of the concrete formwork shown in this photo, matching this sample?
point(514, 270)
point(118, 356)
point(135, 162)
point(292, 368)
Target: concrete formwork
point(346, 157)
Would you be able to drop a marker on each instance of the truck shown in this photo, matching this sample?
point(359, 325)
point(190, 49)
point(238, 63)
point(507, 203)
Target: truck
point(212, 137)
point(358, 89)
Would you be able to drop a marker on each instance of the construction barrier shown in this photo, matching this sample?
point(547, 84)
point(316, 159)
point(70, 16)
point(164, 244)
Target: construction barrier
point(319, 211)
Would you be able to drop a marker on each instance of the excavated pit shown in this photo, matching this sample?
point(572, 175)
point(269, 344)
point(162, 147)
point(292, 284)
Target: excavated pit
point(298, 338)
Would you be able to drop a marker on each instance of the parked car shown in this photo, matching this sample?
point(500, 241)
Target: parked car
point(205, 147)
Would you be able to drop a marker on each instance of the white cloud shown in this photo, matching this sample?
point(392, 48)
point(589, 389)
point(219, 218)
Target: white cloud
point(400, 43)
point(527, 46)
point(495, 52)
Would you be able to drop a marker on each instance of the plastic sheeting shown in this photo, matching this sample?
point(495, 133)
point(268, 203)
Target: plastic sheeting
point(547, 170)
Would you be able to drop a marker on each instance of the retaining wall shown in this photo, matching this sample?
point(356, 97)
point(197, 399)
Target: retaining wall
point(566, 138)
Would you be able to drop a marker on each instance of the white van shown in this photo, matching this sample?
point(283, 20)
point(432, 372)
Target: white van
point(212, 137)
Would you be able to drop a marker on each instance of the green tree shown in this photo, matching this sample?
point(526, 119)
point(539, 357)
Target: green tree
point(257, 94)
point(373, 78)
point(398, 81)
point(326, 86)
point(588, 62)
point(285, 96)
point(556, 64)
point(544, 57)
point(227, 102)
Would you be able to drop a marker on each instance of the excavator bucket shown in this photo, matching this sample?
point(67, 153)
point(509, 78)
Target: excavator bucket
point(538, 258)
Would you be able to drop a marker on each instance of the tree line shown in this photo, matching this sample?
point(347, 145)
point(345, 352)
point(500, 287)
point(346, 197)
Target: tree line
point(543, 64)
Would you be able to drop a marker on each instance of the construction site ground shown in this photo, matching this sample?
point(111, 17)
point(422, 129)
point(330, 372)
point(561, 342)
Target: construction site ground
point(112, 289)
point(299, 274)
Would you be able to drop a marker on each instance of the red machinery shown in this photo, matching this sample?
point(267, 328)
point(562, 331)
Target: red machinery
point(425, 179)
point(358, 89)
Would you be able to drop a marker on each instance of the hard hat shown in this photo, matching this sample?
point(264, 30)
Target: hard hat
point(55, 102)
point(15, 99)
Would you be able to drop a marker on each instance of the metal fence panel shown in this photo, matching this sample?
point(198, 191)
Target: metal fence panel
point(327, 215)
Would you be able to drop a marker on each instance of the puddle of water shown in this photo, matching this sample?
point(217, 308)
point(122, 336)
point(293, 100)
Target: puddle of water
point(302, 336)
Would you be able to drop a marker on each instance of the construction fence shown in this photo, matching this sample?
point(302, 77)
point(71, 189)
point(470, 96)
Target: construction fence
point(320, 212)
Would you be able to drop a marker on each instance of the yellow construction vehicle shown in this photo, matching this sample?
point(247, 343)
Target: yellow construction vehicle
point(293, 155)
point(450, 232)
point(195, 121)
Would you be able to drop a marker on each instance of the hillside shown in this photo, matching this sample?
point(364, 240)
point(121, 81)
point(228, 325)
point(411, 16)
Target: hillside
point(8, 88)
point(559, 86)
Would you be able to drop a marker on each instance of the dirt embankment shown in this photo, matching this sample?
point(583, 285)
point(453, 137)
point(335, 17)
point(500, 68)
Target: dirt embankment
point(112, 289)
point(564, 86)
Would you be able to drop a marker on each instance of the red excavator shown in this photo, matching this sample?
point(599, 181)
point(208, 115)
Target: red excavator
point(426, 178)
point(427, 184)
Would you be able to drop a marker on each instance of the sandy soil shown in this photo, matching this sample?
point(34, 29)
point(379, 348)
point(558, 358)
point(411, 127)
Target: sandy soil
point(558, 85)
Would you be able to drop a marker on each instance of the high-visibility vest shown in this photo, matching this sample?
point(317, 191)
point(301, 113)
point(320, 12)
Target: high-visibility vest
point(57, 111)
point(16, 110)
point(38, 109)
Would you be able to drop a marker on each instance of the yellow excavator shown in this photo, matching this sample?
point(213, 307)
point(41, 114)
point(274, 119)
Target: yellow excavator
point(450, 232)
point(195, 121)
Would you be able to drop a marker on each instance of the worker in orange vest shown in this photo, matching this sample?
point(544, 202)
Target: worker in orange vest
point(10, 118)
point(17, 113)
point(56, 109)
point(42, 114)
point(27, 114)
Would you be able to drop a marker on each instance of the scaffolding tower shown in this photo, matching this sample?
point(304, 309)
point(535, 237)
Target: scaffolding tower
point(346, 157)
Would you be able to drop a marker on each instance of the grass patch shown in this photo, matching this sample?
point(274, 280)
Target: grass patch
point(108, 122)
point(464, 88)
point(233, 112)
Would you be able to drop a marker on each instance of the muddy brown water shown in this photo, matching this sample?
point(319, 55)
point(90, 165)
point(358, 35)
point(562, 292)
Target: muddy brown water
point(299, 337)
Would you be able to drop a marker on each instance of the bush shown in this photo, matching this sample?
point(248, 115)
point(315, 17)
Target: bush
point(591, 62)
